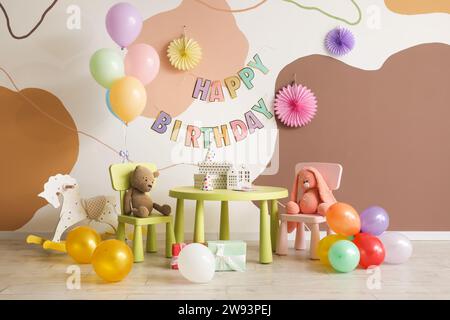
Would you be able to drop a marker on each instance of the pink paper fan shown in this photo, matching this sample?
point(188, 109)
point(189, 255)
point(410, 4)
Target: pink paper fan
point(295, 105)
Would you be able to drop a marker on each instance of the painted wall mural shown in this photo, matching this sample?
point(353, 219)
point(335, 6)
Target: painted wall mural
point(33, 29)
point(381, 108)
point(387, 127)
point(207, 27)
point(34, 148)
point(418, 6)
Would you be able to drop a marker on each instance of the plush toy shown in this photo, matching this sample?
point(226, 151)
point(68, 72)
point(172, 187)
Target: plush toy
point(137, 201)
point(316, 196)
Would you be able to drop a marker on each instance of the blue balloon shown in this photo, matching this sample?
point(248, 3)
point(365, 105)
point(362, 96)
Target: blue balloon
point(108, 104)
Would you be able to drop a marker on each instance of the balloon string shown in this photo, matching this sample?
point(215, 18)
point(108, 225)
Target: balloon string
point(8, 22)
point(49, 116)
point(231, 10)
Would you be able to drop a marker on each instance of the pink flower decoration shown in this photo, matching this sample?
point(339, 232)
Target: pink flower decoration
point(295, 105)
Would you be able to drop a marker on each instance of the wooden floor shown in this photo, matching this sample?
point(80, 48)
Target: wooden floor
point(28, 272)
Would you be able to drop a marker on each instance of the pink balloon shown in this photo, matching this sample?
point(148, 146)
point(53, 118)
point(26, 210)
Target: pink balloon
point(123, 23)
point(142, 62)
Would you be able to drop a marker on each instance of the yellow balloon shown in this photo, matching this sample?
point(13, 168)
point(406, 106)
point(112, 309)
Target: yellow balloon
point(128, 98)
point(81, 243)
point(325, 244)
point(112, 260)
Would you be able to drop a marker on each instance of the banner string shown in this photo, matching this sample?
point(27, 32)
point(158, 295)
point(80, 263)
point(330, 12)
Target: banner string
point(122, 153)
point(49, 116)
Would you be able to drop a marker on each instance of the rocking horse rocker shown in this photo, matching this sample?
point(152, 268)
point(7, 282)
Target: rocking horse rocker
point(74, 209)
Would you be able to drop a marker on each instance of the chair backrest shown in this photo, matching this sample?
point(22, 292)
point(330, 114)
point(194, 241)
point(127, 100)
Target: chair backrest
point(331, 172)
point(120, 177)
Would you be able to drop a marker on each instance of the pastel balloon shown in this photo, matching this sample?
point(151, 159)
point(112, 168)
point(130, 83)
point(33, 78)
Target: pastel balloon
point(344, 256)
point(197, 263)
point(127, 98)
point(81, 243)
point(374, 220)
point(123, 23)
point(112, 260)
point(108, 105)
point(106, 66)
point(324, 246)
point(371, 250)
point(397, 246)
point(142, 62)
point(343, 219)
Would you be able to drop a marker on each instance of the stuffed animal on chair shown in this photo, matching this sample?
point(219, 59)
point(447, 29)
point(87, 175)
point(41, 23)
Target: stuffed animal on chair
point(316, 196)
point(136, 199)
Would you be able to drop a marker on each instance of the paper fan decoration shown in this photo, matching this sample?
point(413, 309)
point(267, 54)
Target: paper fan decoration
point(184, 53)
point(295, 105)
point(339, 41)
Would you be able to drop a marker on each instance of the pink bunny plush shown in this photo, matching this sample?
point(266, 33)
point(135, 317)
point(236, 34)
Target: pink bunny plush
point(316, 196)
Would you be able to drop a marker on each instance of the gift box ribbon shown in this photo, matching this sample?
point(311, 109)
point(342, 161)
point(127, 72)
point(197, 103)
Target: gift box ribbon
point(224, 261)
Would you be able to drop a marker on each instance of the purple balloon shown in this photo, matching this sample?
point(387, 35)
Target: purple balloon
point(123, 23)
point(374, 220)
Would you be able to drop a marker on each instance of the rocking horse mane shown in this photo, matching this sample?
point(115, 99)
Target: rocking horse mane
point(55, 186)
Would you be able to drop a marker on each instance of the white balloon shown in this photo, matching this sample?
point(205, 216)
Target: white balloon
point(397, 246)
point(197, 263)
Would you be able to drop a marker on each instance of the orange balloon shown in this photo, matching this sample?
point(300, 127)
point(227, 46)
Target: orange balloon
point(128, 98)
point(343, 219)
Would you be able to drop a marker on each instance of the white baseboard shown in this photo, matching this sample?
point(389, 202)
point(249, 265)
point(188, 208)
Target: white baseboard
point(413, 235)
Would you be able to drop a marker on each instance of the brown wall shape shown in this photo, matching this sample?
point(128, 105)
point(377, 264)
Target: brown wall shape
point(389, 128)
point(33, 148)
point(224, 52)
point(418, 6)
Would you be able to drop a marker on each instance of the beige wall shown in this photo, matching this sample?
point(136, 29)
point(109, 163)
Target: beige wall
point(389, 128)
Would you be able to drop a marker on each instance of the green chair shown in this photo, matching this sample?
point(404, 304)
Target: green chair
point(120, 179)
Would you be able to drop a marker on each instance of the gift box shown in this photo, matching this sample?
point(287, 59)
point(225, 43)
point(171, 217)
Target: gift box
point(176, 249)
point(230, 254)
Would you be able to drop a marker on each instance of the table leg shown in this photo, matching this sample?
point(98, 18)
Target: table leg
point(274, 224)
point(224, 222)
point(179, 221)
point(199, 228)
point(265, 245)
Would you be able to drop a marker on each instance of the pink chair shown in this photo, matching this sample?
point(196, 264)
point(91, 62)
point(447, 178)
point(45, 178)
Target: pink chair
point(331, 172)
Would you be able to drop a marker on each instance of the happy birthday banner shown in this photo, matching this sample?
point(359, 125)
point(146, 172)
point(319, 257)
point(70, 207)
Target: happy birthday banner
point(212, 91)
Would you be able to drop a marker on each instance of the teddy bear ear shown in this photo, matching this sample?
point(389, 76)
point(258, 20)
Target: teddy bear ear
point(156, 174)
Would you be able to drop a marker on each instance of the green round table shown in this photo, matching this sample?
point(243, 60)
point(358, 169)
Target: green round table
point(264, 194)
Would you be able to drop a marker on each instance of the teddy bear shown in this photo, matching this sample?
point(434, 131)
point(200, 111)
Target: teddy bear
point(136, 200)
point(316, 197)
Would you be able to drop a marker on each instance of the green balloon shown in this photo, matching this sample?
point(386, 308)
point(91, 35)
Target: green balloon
point(343, 256)
point(106, 66)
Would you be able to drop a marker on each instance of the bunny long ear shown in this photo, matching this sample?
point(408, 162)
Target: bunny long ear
point(294, 191)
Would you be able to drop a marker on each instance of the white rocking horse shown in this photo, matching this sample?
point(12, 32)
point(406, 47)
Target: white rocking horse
point(74, 209)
